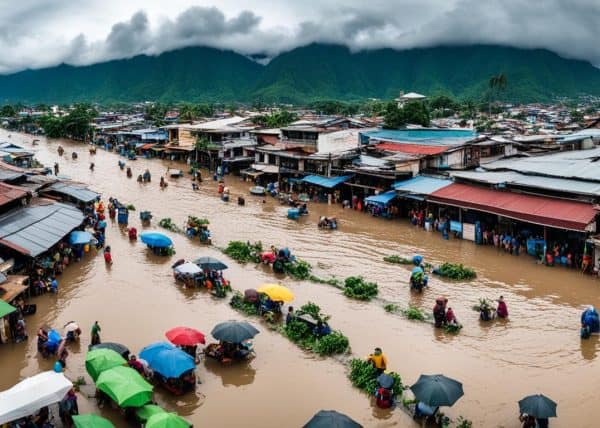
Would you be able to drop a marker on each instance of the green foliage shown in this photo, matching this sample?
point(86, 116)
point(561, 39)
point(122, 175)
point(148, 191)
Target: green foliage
point(397, 260)
point(237, 302)
point(330, 281)
point(275, 120)
point(576, 116)
point(189, 112)
point(356, 287)
point(334, 343)
point(314, 311)
point(155, 113)
point(453, 328)
point(390, 307)
point(414, 313)
point(8, 111)
point(364, 377)
point(244, 252)
point(75, 125)
point(483, 305)
point(463, 423)
point(306, 74)
point(299, 269)
point(301, 334)
point(455, 271)
point(414, 112)
point(193, 221)
point(130, 207)
point(168, 224)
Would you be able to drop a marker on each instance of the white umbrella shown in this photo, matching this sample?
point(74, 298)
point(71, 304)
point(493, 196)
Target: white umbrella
point(72, 326)
point(189, 268)
point(31, 394)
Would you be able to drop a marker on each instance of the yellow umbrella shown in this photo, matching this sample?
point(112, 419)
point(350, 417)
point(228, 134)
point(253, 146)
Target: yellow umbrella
point(276, 292)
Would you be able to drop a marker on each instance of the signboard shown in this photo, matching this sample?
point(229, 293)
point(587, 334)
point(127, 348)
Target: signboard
point(455, 226)
point(468, 231)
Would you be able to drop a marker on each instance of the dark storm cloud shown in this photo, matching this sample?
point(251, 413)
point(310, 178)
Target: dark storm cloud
point(570, 28)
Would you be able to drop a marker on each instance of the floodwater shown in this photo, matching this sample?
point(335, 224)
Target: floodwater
point(136, 300)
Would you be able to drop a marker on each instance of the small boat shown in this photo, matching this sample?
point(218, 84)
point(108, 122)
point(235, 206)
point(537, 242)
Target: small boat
point(174, 173)
point(258, 190)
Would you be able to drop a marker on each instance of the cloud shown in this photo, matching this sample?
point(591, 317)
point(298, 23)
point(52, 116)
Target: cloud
point(40, 33)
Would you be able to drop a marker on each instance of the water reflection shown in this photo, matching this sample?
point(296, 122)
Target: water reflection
point(589, 347)
point(231, 375)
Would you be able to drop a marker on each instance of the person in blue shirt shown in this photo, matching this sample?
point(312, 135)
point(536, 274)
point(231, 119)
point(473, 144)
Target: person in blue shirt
point(54, 285)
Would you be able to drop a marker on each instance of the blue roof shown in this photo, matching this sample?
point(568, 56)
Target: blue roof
point(421, 185)
point(427, 137)
point(35, 229)
point(328, 182)
point(382, 198)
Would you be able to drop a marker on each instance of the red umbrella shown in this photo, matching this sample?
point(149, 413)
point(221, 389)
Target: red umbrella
point(185, 336)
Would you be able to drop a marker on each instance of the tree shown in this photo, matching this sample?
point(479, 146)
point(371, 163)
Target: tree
point(497, 84)
point(469, 109)
point(393, 117)
point(8, 111)
point(78, 123)
point(155, 113)
point(275, 120)
point(576, 116)
point(416, 113)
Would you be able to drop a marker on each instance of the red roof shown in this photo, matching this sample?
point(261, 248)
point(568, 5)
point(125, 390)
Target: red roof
point(10, 193)
point(416, 149)
point(531, 209)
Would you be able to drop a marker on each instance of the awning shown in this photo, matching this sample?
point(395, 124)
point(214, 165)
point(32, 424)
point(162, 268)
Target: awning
point(35, 229)
point(147, 146)
point(31, 394)
point(327, 182)
point(13, 287)
point(540, 210)
point(382, 198)
point(420, 185)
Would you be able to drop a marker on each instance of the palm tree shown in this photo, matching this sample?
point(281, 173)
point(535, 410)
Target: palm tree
point(497, 84)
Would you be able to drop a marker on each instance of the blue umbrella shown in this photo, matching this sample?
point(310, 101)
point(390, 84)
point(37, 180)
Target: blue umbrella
point(156, 239)
point(167, 360)
point(417, 269)
point(79, 237)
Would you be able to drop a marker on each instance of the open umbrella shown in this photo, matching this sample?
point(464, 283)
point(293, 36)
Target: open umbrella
point(71, 326)
point(437, 390)
point(185, 336)
point(145, 412)
point(538, 406)
point(6, 309)
point(125, 386)
point(234, 331)
point(166, 420)
point(210, 263)
point(117, 347)
point(79, 237)
point(99, 360)
point(385, 380)
point(188, 267)
point(331, 419)
point(156, 239)
point(91, 421)
point(276, 292)
point(167, 360)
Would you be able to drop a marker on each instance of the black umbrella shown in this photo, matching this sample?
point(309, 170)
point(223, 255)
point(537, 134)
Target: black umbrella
point(117, 347)
point(385, 380)
point(538, 406)
point(234, 331)
point(331, 419)
point(437, 390)
point(210, 263)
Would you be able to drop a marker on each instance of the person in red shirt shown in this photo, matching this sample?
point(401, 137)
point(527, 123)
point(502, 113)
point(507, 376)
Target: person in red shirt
point(502, 310)
point(107, 256)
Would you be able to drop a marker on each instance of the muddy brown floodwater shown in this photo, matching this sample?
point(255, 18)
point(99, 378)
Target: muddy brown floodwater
point(136, 301)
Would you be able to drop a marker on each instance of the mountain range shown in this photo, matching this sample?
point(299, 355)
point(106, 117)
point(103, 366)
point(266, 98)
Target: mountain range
point(304, 74)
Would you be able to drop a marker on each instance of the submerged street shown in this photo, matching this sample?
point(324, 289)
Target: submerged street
point(136, 300)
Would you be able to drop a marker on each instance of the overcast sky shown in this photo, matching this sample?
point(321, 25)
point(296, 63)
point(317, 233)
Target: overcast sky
point(40, 33)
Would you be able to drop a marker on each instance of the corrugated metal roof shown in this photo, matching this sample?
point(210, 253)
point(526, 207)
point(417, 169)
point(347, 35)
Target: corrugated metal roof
point(33, 230)
point(10, 193)
point(566, 185)
point(9, 175)
point(416, 149)
point(79, 192)
point(540, 210)
point(425, 136)
point(327, 182)
point(382, 198)
point(578, 164)
point(421, 185)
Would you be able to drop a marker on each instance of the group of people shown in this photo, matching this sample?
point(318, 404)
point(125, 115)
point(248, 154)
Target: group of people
point(529, 421)
point(443, 314)
point(510, 244)
point(487, 313)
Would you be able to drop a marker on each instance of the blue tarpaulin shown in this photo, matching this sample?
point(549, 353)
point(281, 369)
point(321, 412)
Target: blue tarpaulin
point(167, 360)
point(382, 198)
point(327, 182)
point(421, 185)
point(78, 237)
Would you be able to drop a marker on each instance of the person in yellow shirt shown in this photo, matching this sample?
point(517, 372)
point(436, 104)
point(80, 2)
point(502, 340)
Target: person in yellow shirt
point(378, 360)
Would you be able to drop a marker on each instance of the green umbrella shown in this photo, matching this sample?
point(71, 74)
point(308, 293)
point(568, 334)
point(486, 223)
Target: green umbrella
point(99, 360)
point(91, 421)
point(125, 386)
point(167, 420)
point(6, 309)
point(145, 412)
